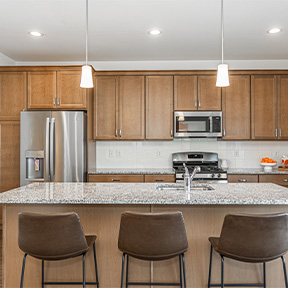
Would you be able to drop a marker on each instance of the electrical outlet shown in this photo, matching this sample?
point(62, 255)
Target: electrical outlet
point(111, 153)
point(118, 153)
point(159, 153)
point(237, 153)
point(276, 155)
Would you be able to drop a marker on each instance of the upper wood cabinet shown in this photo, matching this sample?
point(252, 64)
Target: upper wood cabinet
point(282, 107)
point(209, 96)
point(69, 93)
point(185, 93)
point(55, 90)
point(13, 93)
point(159, 107)
point(119, 108)
point(236, 109)
point(264, 107)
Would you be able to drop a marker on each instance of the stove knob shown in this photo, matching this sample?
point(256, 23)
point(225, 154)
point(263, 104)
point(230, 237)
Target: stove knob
point(213, 175)
point(219, 175)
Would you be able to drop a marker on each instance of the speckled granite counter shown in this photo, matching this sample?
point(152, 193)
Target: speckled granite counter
point(135, 171)
point(253, 171)
point(140, 193)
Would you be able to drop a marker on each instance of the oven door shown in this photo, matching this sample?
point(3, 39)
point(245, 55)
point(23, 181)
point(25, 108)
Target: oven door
point(197, 124)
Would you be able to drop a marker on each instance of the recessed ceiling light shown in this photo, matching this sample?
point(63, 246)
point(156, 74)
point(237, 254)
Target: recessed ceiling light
point(35, 33)
point(274, 30)
point(155, 32)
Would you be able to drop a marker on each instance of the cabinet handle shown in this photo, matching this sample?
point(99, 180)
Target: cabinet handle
point(115, 180)
point(199, 103)
point(120, 133)
point(159, 180)
point(242, 180)
point(54, 101)
point(285, 180)
point(171, 133)
point(116, 133)
point(224, 132)
point(58, 101)
point(280, 132)
point(195, 103)
point(276, 132)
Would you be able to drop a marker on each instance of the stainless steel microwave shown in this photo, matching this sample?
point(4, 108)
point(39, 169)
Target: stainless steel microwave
point(197, 124)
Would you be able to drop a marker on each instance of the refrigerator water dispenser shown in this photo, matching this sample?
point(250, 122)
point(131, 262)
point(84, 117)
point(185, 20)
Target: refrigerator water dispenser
point(35, 165)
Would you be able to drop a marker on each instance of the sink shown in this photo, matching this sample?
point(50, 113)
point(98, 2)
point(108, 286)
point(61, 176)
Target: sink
point(193, 187)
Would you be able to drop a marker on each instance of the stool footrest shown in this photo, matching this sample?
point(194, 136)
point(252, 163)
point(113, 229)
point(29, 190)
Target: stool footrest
point(152, 283)
point(238, 285)
point(70, 283)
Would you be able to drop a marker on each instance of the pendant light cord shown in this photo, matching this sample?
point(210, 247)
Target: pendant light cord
point(222, 30)
point(86, 32)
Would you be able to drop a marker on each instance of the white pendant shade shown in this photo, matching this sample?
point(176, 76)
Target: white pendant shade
point(86, 77)
point(222, 76)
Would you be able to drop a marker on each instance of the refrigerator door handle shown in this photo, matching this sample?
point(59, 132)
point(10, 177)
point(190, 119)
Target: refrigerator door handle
point(47, 150)
point(52, 149)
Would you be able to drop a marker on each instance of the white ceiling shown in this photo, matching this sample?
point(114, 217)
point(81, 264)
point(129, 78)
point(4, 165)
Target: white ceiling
point(118, 30)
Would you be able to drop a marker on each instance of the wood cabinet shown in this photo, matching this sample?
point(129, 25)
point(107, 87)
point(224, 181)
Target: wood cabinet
point(244, 178)
point(276, 179)
point(236, 108)
point(13, 93)
point(185, 93)
point(282, 92)
point(159, 178)
point(119, 108)
point(209, 96)
point(116, 178)
point(159, 107)
point(55, 90)
point(264, 107)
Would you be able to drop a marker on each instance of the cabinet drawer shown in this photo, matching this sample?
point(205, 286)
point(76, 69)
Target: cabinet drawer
point(276, 179)
point(243, 178)
point(116, 178)
point(159, 178)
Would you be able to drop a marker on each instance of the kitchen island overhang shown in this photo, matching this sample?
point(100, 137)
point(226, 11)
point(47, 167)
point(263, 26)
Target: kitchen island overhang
point(100, 205)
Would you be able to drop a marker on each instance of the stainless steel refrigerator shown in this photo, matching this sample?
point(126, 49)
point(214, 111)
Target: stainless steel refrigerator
point(53, 146)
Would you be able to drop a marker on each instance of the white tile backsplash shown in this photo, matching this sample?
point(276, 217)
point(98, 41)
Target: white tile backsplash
point(158, 154)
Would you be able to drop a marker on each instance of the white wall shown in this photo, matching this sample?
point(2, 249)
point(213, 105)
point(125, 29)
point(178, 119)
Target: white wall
point(144, 154)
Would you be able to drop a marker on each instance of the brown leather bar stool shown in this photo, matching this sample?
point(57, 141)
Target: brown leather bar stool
point(52, 237)
point(152, 237)
point(252, 239)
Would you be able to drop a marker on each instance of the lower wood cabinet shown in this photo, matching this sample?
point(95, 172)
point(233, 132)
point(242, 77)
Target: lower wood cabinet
point(159, 178)
point(116, 178)
point(244, 178)
point(276, 179)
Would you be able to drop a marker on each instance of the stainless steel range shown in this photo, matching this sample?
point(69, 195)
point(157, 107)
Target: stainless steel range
point(210, 173)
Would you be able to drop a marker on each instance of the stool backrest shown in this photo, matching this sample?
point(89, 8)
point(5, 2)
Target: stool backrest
point(152, 235)
point(49, 236)
point(255, 236)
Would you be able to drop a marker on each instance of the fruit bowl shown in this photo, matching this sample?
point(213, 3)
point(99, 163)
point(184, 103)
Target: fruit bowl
point(268, 166)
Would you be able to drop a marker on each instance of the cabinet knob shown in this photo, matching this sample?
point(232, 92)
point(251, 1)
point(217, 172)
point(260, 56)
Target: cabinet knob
point(242, 180)
point(171, 133)
point(285, 180)
point(199, 103)
point(195, 103)
point(54, 101)
point(276, 132)
point(58, 101)
point(120, 133)
point(115, 180)
point(116, 133)
point(224, 132)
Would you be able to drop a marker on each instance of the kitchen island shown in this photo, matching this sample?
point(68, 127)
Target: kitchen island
point(100, 205)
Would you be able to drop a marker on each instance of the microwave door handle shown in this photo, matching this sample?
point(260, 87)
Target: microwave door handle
point(47, 150)
point(52, 150)
point(210, 118)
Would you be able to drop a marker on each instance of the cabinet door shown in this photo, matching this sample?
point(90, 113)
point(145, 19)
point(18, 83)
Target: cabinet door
point(69, 93)
point(236, 108)
point(105, 108)
point(41, 90)
point(116, 178)
point(243, 178)
point(264, 107)
point(10, 155)
point(185, 93)
point(12, 95)
point(209, 96)
point(159, 107)
point(283, 107)
point(276, 179)
point(131, 108)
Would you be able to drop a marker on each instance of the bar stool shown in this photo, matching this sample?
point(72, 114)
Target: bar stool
point(253, 239)
point(152, 237)
point(52, 237)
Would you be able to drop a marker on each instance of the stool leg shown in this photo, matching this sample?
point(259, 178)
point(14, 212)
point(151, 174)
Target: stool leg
point(184, 271)
point(180, 268)
point(285, 272)
point(127, 267)
point(23, 269)
point(264, 274)
point(84, 281)
point(95, 262)
point(122, 272)
point(222, 271)
point(42, 273)
point(210, 267)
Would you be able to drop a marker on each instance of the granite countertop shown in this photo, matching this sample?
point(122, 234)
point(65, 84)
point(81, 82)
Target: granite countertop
point(159, 171)
point(145, 193)
point(253, 171)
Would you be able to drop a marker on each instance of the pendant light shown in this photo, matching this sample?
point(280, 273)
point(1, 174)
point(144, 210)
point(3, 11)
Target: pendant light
point(86, 76)
point(222, 72)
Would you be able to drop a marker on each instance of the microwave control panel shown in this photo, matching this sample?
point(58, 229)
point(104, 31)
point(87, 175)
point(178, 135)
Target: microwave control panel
point(216, 124)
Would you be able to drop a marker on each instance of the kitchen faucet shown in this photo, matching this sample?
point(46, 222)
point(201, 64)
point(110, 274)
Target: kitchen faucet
point(188, 178)
point(196, 169)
